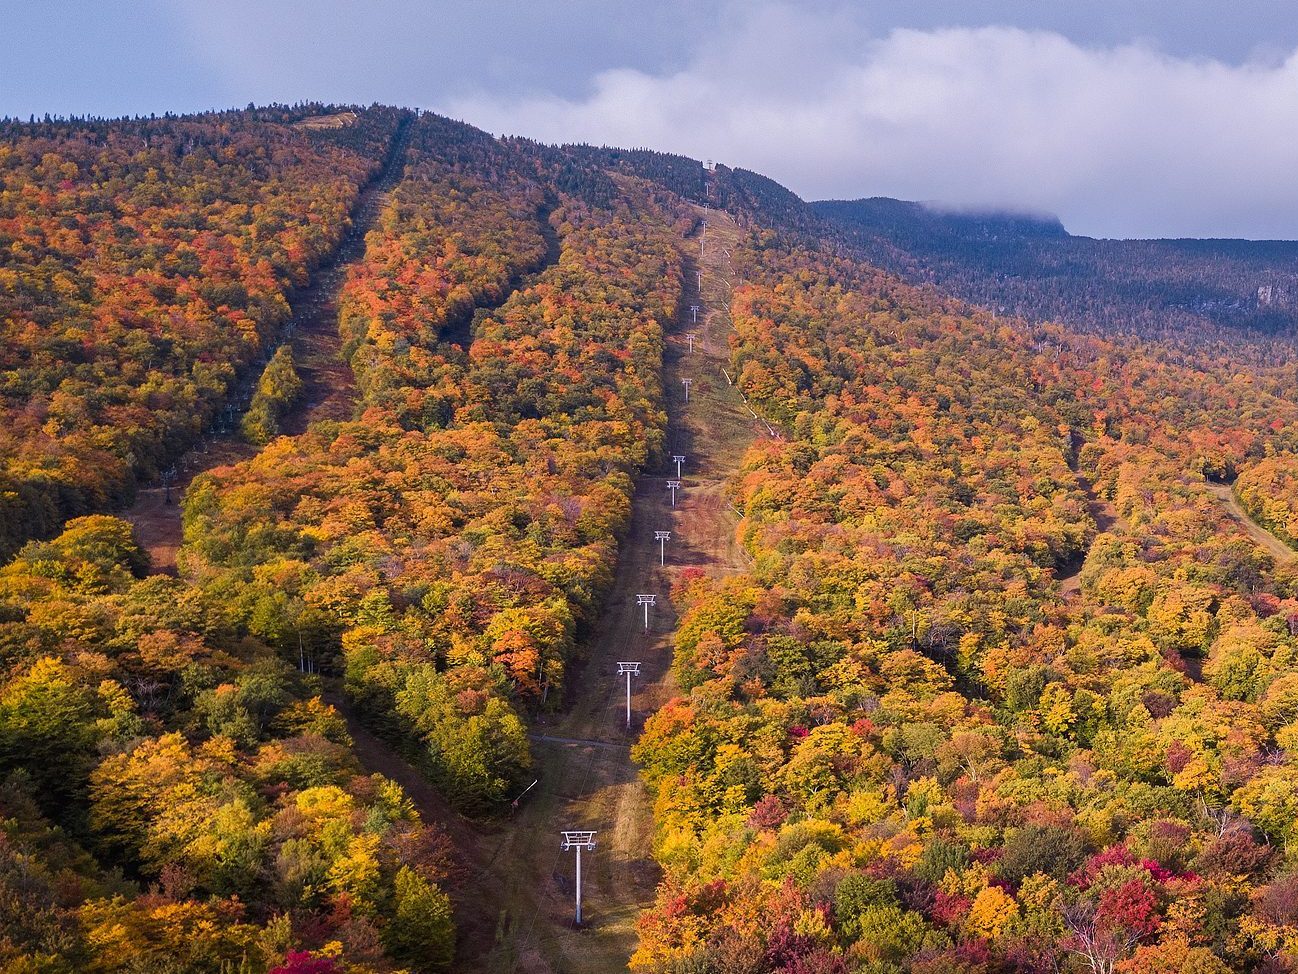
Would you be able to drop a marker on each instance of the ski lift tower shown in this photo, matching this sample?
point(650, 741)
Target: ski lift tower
point(168, 481)
point(646, 601)
point(628, 670)
point(579, 840)
point(662, 537)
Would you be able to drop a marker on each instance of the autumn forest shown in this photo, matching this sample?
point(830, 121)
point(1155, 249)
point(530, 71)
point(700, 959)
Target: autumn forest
point(350, 456)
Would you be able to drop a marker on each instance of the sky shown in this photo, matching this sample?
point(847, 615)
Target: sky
point(1123, 117)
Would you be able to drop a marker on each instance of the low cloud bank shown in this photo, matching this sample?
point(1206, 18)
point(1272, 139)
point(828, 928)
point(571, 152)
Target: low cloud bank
point(1119, 141)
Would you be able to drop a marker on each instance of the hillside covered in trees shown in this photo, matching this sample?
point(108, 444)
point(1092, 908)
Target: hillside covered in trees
point(146, 266)
point(996, 682)
point(905, 746)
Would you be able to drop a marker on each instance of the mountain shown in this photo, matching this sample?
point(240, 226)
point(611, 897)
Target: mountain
point(1199, 290)
point(393, 513)
point(916, 223)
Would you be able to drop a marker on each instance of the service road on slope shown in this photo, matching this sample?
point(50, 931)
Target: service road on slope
point(1273, 546)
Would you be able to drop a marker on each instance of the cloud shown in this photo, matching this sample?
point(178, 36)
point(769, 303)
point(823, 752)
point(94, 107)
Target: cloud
point(1118, 140)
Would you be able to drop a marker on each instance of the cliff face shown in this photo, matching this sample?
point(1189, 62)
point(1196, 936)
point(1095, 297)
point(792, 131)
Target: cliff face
point(1275, 296)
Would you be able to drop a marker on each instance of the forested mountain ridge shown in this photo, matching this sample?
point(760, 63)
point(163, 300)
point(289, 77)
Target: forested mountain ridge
point(893, 741)
point(1031, 267)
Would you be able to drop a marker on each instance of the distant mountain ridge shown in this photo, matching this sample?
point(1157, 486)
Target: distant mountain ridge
point(1032, 267)
point(908, 217)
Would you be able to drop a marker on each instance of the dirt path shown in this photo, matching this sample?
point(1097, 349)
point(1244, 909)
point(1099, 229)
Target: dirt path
point(1102, 512)
point(1280, 551)
point(328, 387)
point(586, 778)
point(1104, 516)
point(377, 756)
